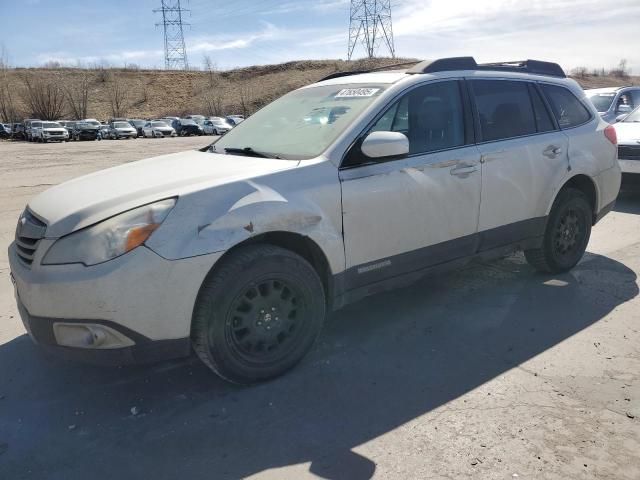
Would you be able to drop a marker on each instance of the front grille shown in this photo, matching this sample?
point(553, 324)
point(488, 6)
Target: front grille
point(29, 232)
point(629, 152)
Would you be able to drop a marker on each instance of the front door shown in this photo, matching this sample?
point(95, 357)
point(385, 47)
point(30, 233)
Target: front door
point(403, 215)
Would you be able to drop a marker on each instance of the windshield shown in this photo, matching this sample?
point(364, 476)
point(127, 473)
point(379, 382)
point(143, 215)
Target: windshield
point(92, 122)
point(187, 121)
point(138, 123)
point(121, 125)
point(602, 101)
point(633, 117)
point(303, 123)
point(51, 125)
point(159, 124)
point(219, 121)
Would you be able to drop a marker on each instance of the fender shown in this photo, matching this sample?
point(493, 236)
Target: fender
point(307, 201)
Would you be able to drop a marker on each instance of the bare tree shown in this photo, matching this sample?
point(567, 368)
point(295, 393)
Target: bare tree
point(212, 71)
point(4, 58)
point(44, 98)
point(117, 97)
point(77, 94)
point(246, 96)
point(622, 70)
point(580, 72)
point(214, 100)
point(8, 110)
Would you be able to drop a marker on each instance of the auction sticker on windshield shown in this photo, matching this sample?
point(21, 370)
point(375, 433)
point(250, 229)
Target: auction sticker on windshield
point(357, 92)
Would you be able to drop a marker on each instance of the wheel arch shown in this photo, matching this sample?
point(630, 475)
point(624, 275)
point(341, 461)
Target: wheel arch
point(299, 244)
point(586, 185)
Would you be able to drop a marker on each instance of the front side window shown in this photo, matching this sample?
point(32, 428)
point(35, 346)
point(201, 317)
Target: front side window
point(431, 117)
point(504, 109)
point(301, 124)
point(568, 110)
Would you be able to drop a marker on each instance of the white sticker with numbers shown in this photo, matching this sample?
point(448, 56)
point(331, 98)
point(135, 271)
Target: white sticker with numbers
point(357, 92)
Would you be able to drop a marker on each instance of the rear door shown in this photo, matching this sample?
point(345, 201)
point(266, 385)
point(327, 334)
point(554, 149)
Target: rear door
point(401, 215)
point(524, 156)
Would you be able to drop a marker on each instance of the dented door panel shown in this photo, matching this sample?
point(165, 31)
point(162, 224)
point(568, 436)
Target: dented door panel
point(406, 205)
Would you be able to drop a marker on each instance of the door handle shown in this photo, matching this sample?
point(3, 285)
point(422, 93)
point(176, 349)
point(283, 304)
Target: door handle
point(552, 151)
point(463, 170)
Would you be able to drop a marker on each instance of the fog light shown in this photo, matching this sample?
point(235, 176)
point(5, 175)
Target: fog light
point(80, 335)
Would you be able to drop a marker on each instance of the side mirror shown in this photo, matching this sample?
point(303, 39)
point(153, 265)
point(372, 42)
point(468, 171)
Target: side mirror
point(385, 144)
point(619, 118)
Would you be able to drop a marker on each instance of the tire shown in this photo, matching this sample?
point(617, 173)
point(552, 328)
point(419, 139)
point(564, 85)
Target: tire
point(566, 234)
point(238, 305)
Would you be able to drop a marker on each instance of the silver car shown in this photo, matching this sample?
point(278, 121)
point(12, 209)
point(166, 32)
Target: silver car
point(216, 126)
point(353, 185)
point(120, 130)
point(614, 103)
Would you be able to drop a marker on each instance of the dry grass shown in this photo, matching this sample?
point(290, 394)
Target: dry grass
point(153, 93)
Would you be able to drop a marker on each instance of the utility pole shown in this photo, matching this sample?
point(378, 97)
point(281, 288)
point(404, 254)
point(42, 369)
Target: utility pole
point(370, 24)
point(175, 53)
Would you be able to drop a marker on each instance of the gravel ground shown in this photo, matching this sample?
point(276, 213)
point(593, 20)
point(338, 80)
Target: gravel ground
point(493, 372)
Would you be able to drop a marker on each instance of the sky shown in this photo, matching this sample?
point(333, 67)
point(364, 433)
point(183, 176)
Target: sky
point(591, 33)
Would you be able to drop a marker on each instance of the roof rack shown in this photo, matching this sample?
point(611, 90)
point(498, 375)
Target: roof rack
point(469, 63)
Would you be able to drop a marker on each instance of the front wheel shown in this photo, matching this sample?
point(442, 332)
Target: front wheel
point(257, 314)
point(566, 235)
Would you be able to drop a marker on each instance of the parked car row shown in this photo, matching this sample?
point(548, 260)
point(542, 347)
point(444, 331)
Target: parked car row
point(36, 130)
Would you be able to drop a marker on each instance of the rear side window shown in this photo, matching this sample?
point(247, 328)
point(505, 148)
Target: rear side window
point(504, 109)
point(568, 110)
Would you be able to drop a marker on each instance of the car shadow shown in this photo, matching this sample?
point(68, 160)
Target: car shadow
point(628, 202)
point(379, 364)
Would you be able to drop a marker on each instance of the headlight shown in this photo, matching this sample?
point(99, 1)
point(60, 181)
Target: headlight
point(109, 238)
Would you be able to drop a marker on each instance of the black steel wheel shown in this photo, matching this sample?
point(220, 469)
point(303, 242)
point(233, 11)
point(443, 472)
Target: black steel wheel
point(257, 314)
point(566, 234)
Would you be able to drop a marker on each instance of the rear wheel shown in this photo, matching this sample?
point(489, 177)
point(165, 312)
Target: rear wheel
point(566, 235)
point(257, 314)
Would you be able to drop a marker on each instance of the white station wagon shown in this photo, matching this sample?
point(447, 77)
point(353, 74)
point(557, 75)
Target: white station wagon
point(347, 187)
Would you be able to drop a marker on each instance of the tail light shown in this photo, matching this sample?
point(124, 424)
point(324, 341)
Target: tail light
point(610, 133)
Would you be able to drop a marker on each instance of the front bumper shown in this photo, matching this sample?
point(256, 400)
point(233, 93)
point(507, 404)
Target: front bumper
point(140, 298)
point(629, 166)
point(87, 135)
point(126, 134)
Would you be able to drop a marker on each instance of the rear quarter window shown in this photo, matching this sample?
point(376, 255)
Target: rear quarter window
point(568, 110)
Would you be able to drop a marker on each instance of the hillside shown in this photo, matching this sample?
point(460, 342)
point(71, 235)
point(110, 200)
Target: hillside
point(153, 93)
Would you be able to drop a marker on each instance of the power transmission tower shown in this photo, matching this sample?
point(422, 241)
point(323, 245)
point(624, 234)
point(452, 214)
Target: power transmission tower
point(370, 24)
point(175, 53)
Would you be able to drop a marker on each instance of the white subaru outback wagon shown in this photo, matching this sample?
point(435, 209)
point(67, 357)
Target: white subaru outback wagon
point(352, 185)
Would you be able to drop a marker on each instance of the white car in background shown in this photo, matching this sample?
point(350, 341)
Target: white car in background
point(356, 184)
point(158, 129)
point(628, 131)
point(216, 126)
point(50, 132)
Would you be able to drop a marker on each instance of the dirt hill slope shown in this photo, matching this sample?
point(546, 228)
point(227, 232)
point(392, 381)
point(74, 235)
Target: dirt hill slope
point(154, 93)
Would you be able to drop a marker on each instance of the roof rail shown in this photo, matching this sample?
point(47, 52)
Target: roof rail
point(468, 63)
point(358, 72)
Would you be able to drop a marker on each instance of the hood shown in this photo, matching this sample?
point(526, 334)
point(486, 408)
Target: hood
point(89, 199)
point(627, 132)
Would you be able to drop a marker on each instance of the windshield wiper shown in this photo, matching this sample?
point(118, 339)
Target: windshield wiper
point(249, 152)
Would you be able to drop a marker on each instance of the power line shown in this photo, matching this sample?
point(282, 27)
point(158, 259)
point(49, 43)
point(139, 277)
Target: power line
point(175, 53)
point(370, 25)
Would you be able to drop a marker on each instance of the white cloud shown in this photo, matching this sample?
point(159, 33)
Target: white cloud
point(571, 32)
